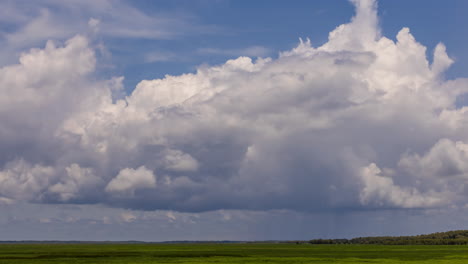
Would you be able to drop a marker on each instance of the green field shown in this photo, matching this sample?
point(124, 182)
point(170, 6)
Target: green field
point(229, 253)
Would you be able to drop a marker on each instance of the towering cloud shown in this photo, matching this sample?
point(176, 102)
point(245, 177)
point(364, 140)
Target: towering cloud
point(360, 122)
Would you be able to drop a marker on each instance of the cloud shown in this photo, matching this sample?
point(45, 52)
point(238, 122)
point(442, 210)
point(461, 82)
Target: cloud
point(77, 181)
point(20, 180)
point(379, 190)
point(31, 25)
point(177, 161)
point(128, 217)
point(130, 180)
point(116, 19)
point(361, 122)
point(445, 159)
point(441, 60)
point(6, 201)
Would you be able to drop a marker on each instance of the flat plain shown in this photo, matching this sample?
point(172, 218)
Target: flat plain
point(229, 253)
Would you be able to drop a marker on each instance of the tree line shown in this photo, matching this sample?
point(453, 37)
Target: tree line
point(459, 237)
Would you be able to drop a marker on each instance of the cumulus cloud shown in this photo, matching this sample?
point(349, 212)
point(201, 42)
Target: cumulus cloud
point(445, 159)
point(21, 180)
point(77, 181)
point(177, 161)
point(360, 122)
point(130, 180)
point(379, 190)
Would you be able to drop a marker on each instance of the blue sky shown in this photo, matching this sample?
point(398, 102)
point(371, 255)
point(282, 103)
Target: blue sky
point(232, 120)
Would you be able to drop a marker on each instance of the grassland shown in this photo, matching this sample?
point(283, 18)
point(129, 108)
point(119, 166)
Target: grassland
point(229, 253)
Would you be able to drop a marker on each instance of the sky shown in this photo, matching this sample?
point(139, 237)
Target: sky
point(232, 120)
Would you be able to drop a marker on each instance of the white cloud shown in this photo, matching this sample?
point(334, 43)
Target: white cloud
point(45, 80)
point(441, 60)
point(130, 180)
point(445, 159)
point(20, 180)
point(128, 217)
point(178, 161)
point(380, 191)
point(361, 33)
point(307, 131)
